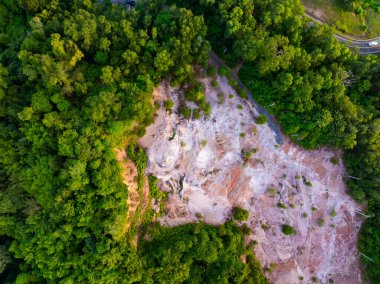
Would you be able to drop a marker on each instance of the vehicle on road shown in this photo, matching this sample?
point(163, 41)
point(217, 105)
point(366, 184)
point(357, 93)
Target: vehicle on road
point(374, 43)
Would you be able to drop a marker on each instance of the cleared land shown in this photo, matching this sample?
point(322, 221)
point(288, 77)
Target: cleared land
point(328, 11)
point(204, 166)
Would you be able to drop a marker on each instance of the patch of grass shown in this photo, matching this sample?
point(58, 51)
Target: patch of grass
point(291, 205)
point(272, 191)
point(204, 143)
point(364, 25)
point(304, 215)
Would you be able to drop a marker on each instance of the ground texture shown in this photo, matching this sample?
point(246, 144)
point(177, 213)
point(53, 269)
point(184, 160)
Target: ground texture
point(204, 166)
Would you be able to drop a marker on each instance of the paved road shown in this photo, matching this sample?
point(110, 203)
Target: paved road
point(361, 44)
point(272, 123)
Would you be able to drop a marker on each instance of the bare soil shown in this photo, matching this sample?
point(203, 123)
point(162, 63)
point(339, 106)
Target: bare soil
point(206, 174)
point(129, 174)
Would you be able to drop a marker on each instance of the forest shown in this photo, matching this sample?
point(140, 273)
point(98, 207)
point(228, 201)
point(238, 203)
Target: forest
point(76, 82)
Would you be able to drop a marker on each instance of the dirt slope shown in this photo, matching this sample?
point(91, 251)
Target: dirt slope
point(204, 169)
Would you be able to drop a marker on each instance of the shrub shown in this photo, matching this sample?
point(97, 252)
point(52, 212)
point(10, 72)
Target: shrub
point(239, 106)
point(262, 119)
point(231, 96)
point(334, 160)
point(304, 215)
point(185, 111)
point(288, 230)
point(220, 98)
point(246, 230)
point(281, 205)
point(242, 135)
point(211, 71)
point(240, 214)
point(214, 83)
point(224, 71)
point(169, 104)
point(333, 213)
point(243, 94)
point(321, 222)
point(196, 113)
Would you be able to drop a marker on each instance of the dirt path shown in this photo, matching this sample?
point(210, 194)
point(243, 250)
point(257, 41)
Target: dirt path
point(271, 121)
point(135, 198)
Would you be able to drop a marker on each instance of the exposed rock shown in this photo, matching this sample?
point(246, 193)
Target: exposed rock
point(212, 177)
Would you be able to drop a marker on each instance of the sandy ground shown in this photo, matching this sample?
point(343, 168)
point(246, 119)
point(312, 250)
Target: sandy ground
point(205, 172)
point(129, 175)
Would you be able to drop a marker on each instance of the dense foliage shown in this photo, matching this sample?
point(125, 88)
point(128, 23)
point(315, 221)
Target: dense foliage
point(195, 253)
point(76, 79)
point(359, 6)
point(322, 93)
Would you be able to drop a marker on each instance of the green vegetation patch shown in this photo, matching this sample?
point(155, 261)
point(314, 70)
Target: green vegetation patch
point(288, 230)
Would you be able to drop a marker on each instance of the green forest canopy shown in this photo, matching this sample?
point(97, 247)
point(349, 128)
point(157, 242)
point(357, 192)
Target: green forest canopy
point(76, 79)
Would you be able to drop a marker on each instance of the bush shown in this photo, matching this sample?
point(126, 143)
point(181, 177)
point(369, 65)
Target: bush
point(169, 104)
point(240, 214)
point(220, 98)
point(262, 119)
point(211, 71)
point(334, 160)
point(239, 106)
point(185, 111)
point(281, 205)
point(231, 96)
point(243, 94)
point(288, 230)
point(214, 83)
point(321, 222)
point(196, 113)
point(224, 71)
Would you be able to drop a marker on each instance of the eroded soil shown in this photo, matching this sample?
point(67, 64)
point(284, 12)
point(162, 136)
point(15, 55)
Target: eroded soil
point(200, 162)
